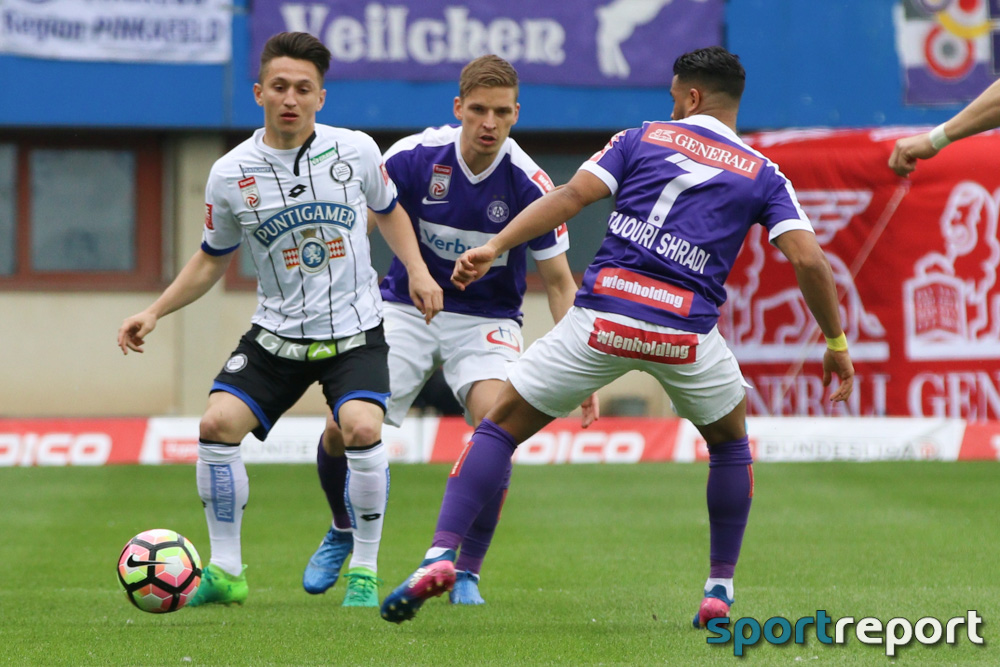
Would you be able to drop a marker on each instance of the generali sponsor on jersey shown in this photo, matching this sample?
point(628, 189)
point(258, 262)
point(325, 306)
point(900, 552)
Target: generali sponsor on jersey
point(174, 440)
point(703, 150)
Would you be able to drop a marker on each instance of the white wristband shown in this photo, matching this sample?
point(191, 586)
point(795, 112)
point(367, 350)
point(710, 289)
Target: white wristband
point(938, 138)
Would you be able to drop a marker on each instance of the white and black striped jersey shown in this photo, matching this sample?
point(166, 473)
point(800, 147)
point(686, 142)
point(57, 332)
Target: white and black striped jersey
point(303, 215)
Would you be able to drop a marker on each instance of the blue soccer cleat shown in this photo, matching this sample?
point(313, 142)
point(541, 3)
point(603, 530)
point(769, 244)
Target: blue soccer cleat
point(714, 605)
point(431, 579)
point(323, 568)
point(466, 590)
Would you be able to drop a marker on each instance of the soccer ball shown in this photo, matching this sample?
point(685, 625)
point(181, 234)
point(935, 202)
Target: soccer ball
point(159, 570)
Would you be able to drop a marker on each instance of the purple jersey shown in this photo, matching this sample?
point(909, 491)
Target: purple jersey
point(686, 193)
point(453, 210)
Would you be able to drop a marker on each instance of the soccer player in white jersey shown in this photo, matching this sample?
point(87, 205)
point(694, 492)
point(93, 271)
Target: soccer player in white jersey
point(297, 196)
point(461, 185)
point(686, 194)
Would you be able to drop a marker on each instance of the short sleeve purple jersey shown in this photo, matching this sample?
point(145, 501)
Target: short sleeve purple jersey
point(686, 194)
point(453, 210)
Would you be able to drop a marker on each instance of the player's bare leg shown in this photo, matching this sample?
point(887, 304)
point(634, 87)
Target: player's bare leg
point(475, 478)
point(224, 489)
point(729, 493)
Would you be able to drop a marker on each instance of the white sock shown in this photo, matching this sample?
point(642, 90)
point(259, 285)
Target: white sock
point(224, 489)
point(368, 494)
point(725, 583)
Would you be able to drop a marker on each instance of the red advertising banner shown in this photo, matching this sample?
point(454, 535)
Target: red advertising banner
point(915, 261)
point(63, 442)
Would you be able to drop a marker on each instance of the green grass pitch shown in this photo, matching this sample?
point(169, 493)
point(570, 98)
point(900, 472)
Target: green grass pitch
point(591, 565)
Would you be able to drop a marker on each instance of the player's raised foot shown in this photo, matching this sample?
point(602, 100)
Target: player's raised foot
point(715, 604)
point(219, 587)
point(362, 588)
point(431, 579)
point(323, 568)
point(466, 590)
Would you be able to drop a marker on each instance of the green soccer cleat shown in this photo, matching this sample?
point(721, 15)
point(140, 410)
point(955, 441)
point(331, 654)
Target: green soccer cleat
point(219, 587)
point(362, 588)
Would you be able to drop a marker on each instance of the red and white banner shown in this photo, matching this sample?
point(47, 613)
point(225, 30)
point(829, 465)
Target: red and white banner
point(164, 440)
point(916, 263)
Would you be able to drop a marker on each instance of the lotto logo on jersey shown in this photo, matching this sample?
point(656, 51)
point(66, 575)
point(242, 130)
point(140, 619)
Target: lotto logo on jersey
point(248, 188)
point(625, 341)
point(208, 216)
point(543, 180)
point(440, 181)
point(642, 289)
point(703, 150)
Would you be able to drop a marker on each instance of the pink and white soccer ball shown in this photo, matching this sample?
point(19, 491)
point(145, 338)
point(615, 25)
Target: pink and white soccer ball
point(159, 570)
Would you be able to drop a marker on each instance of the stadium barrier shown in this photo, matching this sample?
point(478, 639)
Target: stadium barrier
point(167, 440)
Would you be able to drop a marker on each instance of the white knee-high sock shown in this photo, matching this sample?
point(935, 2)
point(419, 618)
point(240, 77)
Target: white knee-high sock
point(224, 489)
point(368, 494)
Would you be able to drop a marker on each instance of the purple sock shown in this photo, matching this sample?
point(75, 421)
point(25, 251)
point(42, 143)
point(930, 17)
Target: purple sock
point(480, 534)
point(475, 479)
point(333, 479)
point(729, 493)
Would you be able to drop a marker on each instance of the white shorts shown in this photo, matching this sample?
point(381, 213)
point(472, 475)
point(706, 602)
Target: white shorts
point(588, 349)
point(468, 349)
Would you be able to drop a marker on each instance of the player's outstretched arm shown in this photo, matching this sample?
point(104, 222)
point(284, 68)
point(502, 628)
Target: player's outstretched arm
point(982, 113)
point(541, 216)
point(815, 278)
point(197, 277)
point(397, 230)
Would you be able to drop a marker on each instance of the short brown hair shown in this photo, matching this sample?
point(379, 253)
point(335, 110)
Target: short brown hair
point(487, 71)
point(297, 45)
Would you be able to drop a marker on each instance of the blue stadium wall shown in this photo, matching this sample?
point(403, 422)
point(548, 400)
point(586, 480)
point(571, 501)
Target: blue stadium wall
point(809, 64)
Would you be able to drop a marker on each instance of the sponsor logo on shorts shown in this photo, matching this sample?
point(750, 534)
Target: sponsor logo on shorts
point(624, 341)
point(634, 287)
point(236, 363)
point(703, 150)
point(505, 336)
point(208, 216)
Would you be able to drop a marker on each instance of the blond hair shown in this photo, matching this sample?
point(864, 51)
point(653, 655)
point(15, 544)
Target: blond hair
point(487, 71)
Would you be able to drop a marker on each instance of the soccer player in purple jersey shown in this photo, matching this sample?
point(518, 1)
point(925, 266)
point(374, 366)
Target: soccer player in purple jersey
point(686, 193)
point(981, 114)
point(460, 185)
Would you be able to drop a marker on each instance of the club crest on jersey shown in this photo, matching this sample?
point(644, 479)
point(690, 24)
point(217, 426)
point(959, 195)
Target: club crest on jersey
point(440, 181)
point(504, 336)
point(497, 211)
point(341, 172)
point(248, 188)
point(313, 254)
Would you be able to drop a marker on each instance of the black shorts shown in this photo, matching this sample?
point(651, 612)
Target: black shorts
point(270, 384)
